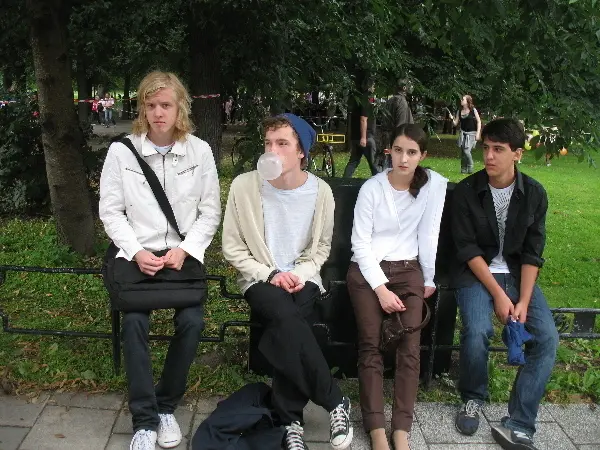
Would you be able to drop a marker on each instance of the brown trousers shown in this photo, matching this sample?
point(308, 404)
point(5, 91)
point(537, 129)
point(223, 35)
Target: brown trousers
point(404, 276)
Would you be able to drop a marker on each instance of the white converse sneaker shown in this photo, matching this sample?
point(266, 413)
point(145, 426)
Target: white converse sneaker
point(169, 433)
point(143, 440)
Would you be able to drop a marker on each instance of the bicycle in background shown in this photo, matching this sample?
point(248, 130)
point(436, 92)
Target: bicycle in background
point(321, 158)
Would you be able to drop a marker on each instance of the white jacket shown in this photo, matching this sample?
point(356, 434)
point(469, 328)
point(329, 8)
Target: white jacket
point(379, 231)
point(130, 212)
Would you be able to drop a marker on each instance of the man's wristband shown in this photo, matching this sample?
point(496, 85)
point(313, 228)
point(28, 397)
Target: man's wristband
point(271, 275)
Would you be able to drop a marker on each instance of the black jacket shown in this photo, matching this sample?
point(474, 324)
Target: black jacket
point(475, 227)
point(243, 421)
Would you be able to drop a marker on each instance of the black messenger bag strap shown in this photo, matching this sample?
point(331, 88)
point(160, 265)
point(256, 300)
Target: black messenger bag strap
point(157, 189)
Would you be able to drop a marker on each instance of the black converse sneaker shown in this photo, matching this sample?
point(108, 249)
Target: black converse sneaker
point(293, 439)
point(340, 435)
point(511, 439)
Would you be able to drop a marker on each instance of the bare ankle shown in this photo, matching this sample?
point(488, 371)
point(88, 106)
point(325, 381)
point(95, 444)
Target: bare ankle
point(400, 438)
point(379, 439)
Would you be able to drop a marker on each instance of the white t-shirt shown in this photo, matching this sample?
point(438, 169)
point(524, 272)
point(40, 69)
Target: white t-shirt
point(402, 201)
point(501, 199)
point(288, 216)
point(162, 150)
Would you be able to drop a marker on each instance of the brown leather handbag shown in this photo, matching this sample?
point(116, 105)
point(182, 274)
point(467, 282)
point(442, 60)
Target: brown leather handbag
point(392, 329)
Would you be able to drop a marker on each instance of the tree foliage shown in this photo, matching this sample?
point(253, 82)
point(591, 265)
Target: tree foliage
point(538, 60)
point(23, 180)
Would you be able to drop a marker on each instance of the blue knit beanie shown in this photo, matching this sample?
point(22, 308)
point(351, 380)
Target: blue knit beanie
point(305, 132)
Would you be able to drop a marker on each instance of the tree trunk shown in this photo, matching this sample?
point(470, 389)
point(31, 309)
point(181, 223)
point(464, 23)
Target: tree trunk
point(61, 135)
point(205, 77)
point(7, 79)
point(89, 93)
point(126, 113)
point(83, 108)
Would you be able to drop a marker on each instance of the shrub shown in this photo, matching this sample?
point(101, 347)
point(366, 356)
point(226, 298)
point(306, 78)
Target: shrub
point(23, 181)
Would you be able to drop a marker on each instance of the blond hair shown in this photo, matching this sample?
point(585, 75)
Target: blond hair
point(149, 86)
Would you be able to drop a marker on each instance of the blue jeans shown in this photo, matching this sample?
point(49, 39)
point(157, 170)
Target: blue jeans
point(107, 115)
point(476, 308)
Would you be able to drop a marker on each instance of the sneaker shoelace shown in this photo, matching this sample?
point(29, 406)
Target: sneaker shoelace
point(293, 438)
point(168, 421)
point(143, 439)
point(339, 418)
point(472, 408)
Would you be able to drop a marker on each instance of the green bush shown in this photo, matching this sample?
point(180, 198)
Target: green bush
point(23, 181)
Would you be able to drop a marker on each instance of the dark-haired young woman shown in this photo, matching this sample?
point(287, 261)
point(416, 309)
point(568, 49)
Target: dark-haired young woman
point(394, 241)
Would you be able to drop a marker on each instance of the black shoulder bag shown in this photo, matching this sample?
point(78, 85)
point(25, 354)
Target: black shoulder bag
point(132, 290)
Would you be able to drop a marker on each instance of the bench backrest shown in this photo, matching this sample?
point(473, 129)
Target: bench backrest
point(345, 192)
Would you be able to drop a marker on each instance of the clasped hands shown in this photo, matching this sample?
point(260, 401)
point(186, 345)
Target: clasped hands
point(149, 263)
point(287, 281)
point(505, 309)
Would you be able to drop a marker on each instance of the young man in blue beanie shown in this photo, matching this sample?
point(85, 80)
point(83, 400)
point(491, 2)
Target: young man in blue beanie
point(277, 234)
point(498, 225)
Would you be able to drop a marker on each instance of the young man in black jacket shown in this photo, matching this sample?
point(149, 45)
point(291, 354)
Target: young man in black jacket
point(498, 225)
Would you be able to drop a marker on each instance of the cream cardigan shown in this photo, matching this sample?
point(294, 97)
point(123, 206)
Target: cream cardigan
point(244, 234)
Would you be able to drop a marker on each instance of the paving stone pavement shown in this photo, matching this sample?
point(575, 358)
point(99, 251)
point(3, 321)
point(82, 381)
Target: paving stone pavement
point(75, 421)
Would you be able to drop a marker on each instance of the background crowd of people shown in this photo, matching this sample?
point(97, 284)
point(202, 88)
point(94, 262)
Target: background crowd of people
point(102, 110)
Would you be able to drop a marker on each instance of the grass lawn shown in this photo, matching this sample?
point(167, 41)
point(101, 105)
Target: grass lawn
point(571, 277)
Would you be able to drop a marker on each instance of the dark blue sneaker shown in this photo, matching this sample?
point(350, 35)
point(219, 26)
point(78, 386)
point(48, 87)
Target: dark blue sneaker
point(467, 418)
point(510, 439)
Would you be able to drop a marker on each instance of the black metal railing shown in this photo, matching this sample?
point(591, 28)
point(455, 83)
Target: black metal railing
point(582, 325)
point(115, 334)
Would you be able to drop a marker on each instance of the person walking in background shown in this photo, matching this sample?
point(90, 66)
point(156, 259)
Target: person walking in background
point(228, 109)
point(95, 114)
point(470, 132)
point(398, 109)
point(100, 110)
point(362, 132)
point(396, 113)
point(108, 103)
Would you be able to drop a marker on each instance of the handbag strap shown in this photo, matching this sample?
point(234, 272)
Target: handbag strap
point(157, 190)
point(427, 315)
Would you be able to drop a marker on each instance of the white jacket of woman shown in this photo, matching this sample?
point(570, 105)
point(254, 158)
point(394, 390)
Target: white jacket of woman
point(380, 232)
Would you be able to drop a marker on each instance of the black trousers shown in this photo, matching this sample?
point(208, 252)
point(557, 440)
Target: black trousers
point(300, 371)
point(145, 400)
point(357, 153)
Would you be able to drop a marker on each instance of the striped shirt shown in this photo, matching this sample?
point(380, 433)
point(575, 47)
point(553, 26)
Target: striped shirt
point(501, 199)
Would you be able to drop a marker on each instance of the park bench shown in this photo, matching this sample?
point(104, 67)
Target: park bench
point(335, 327)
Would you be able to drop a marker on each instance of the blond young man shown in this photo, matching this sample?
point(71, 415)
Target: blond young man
point(277, 234)
point(136, 224)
